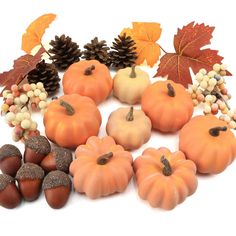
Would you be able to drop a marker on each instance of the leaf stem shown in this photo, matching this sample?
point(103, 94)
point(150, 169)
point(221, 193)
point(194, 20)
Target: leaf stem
point(46, 51)
point(162, 49)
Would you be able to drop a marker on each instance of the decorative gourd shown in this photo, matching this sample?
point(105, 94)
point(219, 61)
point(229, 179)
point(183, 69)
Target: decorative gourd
point(101, 167)
point(208, 142)
point(129, 84)
point(168, 105)
point(71, 119)
point(88, 78)
point(164, 179)
point(129, 127)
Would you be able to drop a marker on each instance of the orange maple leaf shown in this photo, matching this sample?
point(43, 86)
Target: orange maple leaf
point(35, 32)
point(145, 35)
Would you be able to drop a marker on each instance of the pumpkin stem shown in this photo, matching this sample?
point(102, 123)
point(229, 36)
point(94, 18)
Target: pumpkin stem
point(69, 109)
point(133, 73)
point(167, 170)
point(103, 159)
point(89, 70)
point(216, 130)
point(130, 115)
point(171, 91)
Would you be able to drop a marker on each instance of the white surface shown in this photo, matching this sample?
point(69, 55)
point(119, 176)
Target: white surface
point(211, 210)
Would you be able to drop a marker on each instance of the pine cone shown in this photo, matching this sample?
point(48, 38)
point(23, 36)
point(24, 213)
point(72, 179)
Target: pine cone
point(47, 74)
point(124, 52)
point(64, 52)
point(97, 51)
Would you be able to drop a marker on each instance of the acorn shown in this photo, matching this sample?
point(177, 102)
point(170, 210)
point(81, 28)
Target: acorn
point(10, 159)
point(36, 148)
point(30, 177)
point(57, 187)
point(9, 194)
point(58, 159)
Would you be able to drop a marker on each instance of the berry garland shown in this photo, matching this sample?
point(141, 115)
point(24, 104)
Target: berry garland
point(18, 104)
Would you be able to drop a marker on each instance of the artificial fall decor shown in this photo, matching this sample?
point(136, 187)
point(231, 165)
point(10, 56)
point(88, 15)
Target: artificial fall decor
point(123, 53)
point(129, 84)
point(168, 105)
point(47, 74)
point(64, 52)
point(129, 127)
point(208, 142)
point(164, 179)
point(71, 119)
point(101, 167)
point(88, 78)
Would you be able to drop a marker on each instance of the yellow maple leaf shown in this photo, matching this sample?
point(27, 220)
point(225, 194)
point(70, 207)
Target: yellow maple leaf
point(145, 35)
point(35, 32)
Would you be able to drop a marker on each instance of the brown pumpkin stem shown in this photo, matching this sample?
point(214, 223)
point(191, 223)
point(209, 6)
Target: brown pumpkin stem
point(216, 130)
point(103, 159)
point(69, 109)
point(167, 170)
point(89, 70)
point(133, 73)
point(130, 115)
point(171, 90)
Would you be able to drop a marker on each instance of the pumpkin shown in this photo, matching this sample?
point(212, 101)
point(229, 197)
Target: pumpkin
point(208, 142)
point(101, 167)
point(88, 78)
point(129, 127)
point(129, 84)
point(164, 179)
point(71, 119)
point(168, 105)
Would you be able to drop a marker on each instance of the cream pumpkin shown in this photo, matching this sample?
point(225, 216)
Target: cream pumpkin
point(129, 127)
point(129, 84)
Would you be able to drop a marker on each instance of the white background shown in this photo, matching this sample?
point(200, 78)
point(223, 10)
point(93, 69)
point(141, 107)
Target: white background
point(211, 210)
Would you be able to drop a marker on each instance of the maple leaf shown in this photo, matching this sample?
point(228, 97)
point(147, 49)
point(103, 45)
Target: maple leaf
point(188, 53)
point(22, 66)
point(145, 35)
point(35, 32)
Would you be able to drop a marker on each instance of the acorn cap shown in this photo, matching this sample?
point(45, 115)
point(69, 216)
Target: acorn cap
point(9, 150)
point(5, 180)
point(55, 179)
point(63, 158)
point(39, 144)
point(30, 171)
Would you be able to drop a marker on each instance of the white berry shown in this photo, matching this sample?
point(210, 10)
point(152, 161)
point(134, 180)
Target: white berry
point(40, 85)
point(203, 71)
point(25, 124)
point(23, 98)
point(37, 92)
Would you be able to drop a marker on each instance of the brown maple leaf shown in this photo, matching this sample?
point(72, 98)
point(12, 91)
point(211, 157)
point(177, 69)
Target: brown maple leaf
point(188, 54)
point(22, 66)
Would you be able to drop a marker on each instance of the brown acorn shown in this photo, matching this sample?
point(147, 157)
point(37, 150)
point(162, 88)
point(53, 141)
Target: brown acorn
point(10, 159)
point(30, 178)
point(9, 194)
point(57, 187)
point(58, 159)
point(36, 148)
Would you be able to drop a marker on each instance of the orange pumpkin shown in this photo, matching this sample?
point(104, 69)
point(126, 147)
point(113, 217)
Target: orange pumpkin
point(168, 105)
point(88, 78)
point(208, 142)
point(101, 167)
point(164, 179)
point(71, 119)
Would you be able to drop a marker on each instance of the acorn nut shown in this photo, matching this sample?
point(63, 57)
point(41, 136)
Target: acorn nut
point(36, 148)
point(57, 187)
point(30, 177)
point(58, 159)
point(9, 194)
point(10, 159)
